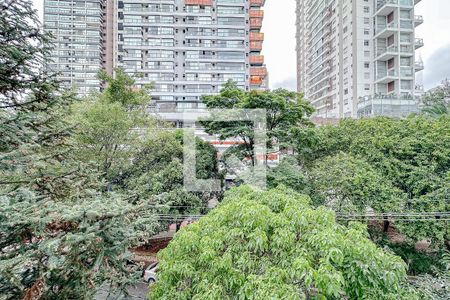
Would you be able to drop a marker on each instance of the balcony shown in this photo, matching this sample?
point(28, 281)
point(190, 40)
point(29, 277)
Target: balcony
point(257, 3)
point(406, 50)
point(407, 24)
point(258, 71)
point(386, 53)
point(385, 7)
point(256, 36)
point(387, 105)
point(384, 31)
point(418, 66)
point(418, 20)
point(256, 13)
point(387, 76)
point(256, 46)
point(256, 60)
point(256, 80)
point(199, 2)
point(406, 72)
point(255, 23)
point(418, 43)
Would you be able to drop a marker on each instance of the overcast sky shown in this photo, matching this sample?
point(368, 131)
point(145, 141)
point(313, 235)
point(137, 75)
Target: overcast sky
point(279, 45)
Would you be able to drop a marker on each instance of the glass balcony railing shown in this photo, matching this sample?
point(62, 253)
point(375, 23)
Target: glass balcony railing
point(382, 3)
point(381, 28)
point(386, 50)
point(418, 43)
point(387, 73)
point(406, 72)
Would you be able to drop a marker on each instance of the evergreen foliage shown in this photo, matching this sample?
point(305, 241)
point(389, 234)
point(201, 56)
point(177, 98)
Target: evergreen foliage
point(61, 235)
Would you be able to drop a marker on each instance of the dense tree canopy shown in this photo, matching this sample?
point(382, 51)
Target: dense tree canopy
point(274, 245)
point(390, 165)
point(285, 111)
point(414, 153)
point(437, 102)
point(83, 182)
point(348, 184)
point(61, 235)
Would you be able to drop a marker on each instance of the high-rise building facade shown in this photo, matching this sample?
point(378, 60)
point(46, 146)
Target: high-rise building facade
point(77, 27)
point(186, 48)
point(356, 58)
point(190, 48)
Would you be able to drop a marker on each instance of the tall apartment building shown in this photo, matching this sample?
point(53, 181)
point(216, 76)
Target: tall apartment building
point(357, 57)
point(186, 48)
point(77, 27)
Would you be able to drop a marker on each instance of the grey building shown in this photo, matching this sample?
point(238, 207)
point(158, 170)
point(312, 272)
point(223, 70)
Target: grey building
point(356, 58)
point(186, 48)
point(77, 27)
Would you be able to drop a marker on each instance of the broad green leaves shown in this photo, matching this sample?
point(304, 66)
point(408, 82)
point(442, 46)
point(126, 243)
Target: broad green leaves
point(348, 184)
point(286, 113)
point(385, 164)
point(274, 245)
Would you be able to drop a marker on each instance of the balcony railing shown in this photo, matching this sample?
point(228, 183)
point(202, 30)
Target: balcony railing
point(256, 13)
point(387, 105)
point(255, 23)
point(256, 36)
point(256, 80)
point(258, 71)
point(385, 50)
point(386, 2)
point(419, 66)
point(406, 72)
point(388, 73)
point(418, 20)
point(418, 43)
point(256, 59)
point(406, 49)
point(257, 2)
point(381, 28)
point(255, 46)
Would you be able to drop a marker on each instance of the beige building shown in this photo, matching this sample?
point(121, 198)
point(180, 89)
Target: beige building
point(356, 58)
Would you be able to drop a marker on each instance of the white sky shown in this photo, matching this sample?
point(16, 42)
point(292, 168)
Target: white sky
point(279, 45)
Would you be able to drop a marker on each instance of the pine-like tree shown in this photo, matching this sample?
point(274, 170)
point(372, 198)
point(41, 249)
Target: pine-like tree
point(61, 235)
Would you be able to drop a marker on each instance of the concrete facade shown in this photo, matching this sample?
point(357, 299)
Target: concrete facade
point(185, 48)
point(356, 58)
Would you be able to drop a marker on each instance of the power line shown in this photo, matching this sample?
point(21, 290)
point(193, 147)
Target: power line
point(426, 217)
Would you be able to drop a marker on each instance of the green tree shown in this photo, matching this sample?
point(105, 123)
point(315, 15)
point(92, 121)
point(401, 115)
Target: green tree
point(60, 235)
point(156, 175)
point(274, 245)
point(137, 154)
point(285, 112)
point(107, 124)
point(348, 185)
point(289, 174)
point(32, 133)
point(412, 155)
point(437, 102)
